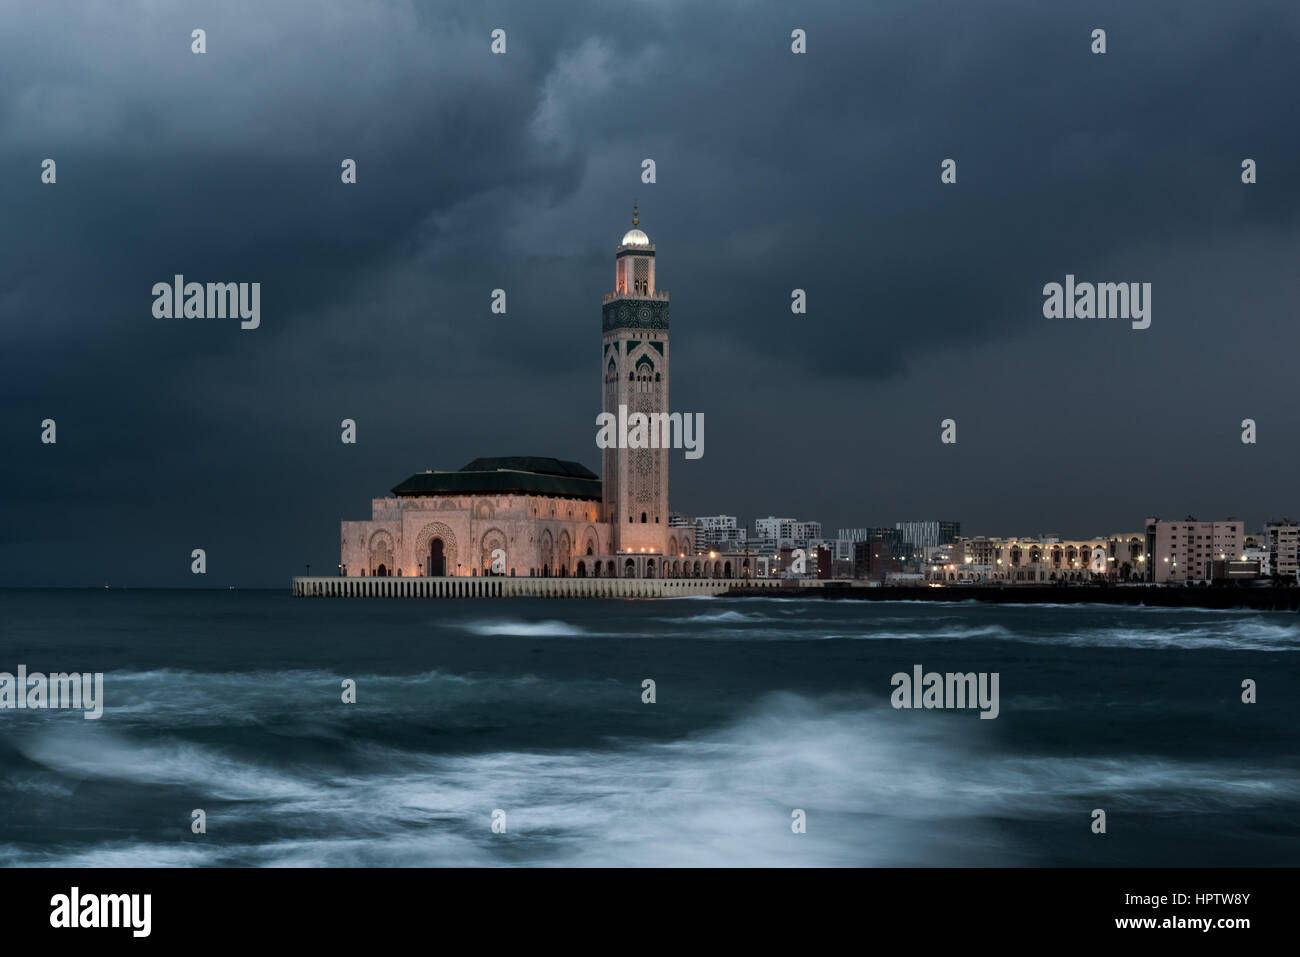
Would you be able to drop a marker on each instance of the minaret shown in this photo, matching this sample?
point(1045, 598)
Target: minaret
point(634, 336)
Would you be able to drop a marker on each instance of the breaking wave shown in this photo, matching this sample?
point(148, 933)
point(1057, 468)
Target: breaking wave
point(878, 787)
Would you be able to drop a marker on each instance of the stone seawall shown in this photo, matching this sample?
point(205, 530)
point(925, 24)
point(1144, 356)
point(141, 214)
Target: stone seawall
point(1261, 599)
point(506, 587)
point(1160, 596)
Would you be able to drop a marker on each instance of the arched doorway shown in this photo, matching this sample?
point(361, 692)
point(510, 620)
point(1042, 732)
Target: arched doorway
point(381, 571)
point(582, 569)
point(437, 560)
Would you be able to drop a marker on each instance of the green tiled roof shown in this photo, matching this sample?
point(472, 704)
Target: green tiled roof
point(508, 475)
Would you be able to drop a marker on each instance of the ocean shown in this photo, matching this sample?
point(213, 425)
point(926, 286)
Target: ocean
point(231, 702)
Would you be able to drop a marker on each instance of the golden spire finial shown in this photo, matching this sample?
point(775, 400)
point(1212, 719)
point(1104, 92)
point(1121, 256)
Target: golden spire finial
point(635, 221)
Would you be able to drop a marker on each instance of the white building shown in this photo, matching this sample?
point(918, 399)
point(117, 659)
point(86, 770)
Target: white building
point(720, 532)
point(1282, 539)
point(786, 532)
point(1253, 553)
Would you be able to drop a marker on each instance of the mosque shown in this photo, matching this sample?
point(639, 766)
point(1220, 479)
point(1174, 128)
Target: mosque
point(522, 516)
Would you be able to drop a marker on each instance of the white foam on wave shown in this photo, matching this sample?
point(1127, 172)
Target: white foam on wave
point(879, 786)
point(525, 629)
point(723, 617)
point(101, 753)
point(1230, 635)
point(117, 854)
point(237, 696)
point(1215, 631)
point(248, 698)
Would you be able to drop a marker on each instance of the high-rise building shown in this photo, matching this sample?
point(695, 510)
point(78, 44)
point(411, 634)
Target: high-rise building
point(769, 529)
point(1186, 551)
point(1282, 540)
point(925, 535)
point(720, 532)
point(786, 532)
point(871, 535)
point(873, 559)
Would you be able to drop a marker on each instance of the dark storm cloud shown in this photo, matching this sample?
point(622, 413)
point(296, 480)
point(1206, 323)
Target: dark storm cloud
point(775, 172)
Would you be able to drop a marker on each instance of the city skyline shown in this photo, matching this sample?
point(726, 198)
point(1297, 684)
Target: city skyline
point(478, 172)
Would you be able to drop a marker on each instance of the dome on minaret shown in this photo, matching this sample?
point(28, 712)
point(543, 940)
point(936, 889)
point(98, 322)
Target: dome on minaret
point(634, 236)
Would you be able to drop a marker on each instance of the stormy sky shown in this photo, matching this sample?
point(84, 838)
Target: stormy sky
point(775, 171)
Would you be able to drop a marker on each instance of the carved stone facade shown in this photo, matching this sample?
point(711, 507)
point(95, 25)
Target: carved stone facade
point(535, 535)
point(634, 335)
point(546, 517)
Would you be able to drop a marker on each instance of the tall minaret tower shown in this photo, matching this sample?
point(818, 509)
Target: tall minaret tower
point(634, 337)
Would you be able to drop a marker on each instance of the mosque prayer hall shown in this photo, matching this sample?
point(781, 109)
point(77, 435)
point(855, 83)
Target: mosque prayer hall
point(541, 517)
